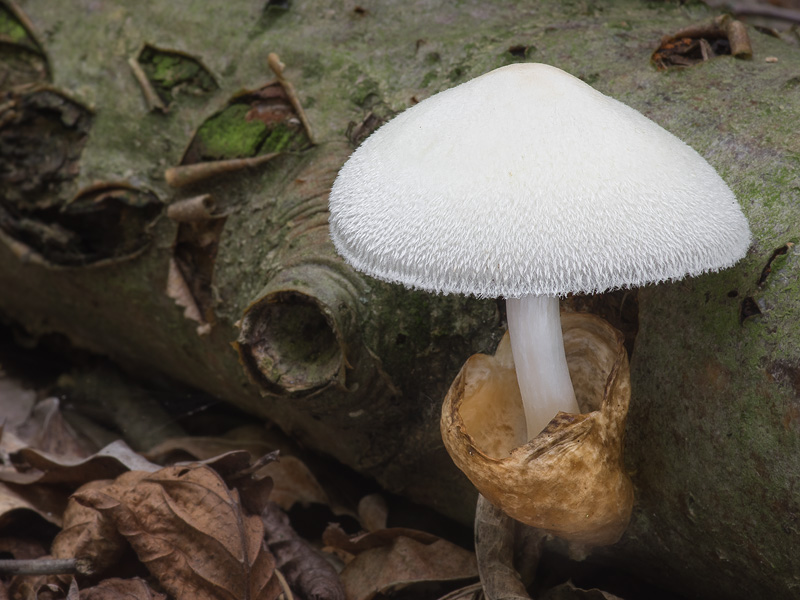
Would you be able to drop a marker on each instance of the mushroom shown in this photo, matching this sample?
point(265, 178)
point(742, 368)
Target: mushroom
point(528, 184)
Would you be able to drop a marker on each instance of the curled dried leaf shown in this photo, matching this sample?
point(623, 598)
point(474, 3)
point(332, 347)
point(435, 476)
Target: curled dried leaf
point(40, 467)
point(87, 534)
point(189, 530)
point(121, 589)
point(390, 559)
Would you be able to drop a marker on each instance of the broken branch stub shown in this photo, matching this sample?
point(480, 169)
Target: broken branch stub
point(704, 41)
point(569, 480)
point(295, 337)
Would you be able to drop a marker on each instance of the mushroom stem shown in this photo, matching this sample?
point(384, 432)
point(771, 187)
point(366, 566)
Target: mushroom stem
point(534, 324)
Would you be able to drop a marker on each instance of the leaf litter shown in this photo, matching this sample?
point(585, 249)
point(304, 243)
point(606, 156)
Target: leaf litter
point(220, 521)
point(213, 527)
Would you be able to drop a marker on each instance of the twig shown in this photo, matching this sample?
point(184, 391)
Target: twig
point(287, 591)
point(152, 98)
point(274, 62)
point(188, 174)
point(736, 32)
point(46, 566)
point(188, 210)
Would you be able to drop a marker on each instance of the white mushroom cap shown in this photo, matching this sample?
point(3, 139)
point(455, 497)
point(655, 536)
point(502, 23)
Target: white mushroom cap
point(527, 181)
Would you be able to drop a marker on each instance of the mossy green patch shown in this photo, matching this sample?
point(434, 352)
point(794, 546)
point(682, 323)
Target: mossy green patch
point(229, 134)
point(279, 139)
point(363, 86)
point(313, 68)
point(432, 58)
point(12, 29)
point(169, 70)
point(428, 78)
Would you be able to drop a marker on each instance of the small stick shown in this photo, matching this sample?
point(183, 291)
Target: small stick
point(706, 50)
point(46, 566)
point(274, 62)
point(736, 32)
point(722, 26)
point(187, 174)
point(151, 97)
point(198, 208)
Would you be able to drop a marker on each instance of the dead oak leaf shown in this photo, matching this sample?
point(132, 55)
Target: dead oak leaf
point(389, 560)
point(46, 501)
point(294, 482)
point(87, 534)
point(35, 466)
point(189, 530)
point(568, 591)
point(46, 430)
point(16, 402)
point(121, 589)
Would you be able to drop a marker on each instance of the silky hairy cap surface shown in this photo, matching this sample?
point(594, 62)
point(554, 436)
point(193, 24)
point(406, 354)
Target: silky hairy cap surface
point(528, 181)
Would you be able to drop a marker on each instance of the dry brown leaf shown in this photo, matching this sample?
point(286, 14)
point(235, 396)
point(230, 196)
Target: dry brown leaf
point(294, 475)
point(21, 548)
point(38, 587)
point(294, 483)
point(47, 502)
point(202, 448)
point(392, 559)
point(10, 442)
point(26, 422)
point(227, 465)
point(240, 472)
point(568, 591)
point(121, 589)
point(179, 290)
point(403, 563)
point(335, 537)
point(47, 431)
point(11, 501)
point(191, 269)
point(16, 402)
point(87, 534)
point(189, 530)
point(34, 466)
point(307, 573)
